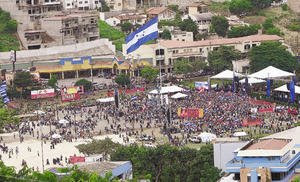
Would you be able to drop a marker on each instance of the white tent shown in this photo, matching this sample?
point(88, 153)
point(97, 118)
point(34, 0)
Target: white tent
point(55, 136)
point(166, 90)
point(178, 96)
point(63, 121)
point(271, 72)
point(39, 112)
point(252, 80)
point(105, 100)
point(283, 88)
point(227, 74)
point(207, 137)
point(240, 134)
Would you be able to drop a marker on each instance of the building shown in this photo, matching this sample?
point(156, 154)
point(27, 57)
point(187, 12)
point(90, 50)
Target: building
point(69, 61)
point(223, 152)
point(163, 13)
point(72, 28)
point(203, 21)
point(166, 52)
point(115, 5)
point(133, 18)
point(197, 8)
point(272, 158)
point(184, 36)
point(294, 5)
point(121, 170)
point(81, 4)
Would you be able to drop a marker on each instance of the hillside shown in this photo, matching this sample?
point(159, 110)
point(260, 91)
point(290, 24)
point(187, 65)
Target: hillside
point(8, 29)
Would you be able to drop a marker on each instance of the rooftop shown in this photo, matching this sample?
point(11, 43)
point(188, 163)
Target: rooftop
point(100, 47)
point(156, 10)
point(197, 4)
point(171, 44)
point(267, 144)
point(203, 16)
point(131, 16)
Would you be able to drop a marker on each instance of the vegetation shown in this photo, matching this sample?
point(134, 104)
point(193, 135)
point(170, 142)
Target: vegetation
point(240, 7)
point(9, 174)
point(271, 54)
point(184, 66)
point(127, 27)
point(104, 7)
point(219, 24)
point(8, 27)
point(189, 25)
point(149, 73)
point(168, 163)
point(52, 82)
point(114, 35)
point(23, 81)
point(284, 7)
point(222, 58)
point(7, 116)
point(220, 8)
point(269, 28)
point(166, 34)
point(87, 85)
point(294, 26)
point(245, 30)
point(123, 80)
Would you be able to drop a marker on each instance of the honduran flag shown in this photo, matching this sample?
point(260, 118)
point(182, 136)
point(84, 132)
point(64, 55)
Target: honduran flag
point(147, 32)
point(3, 92)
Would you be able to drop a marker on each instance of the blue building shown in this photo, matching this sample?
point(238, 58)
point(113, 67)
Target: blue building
point(272, 158)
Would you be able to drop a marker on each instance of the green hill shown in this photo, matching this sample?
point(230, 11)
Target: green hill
point(8, 29)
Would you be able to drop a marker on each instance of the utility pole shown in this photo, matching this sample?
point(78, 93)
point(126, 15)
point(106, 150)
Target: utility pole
point(13, 59)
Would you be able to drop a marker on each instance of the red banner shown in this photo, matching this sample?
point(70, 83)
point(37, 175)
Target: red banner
point(71, 93)
point(293, 111)
point(260, 102)
point(264, 110)
point(40, 94)
point(252, 122)
point(70, 97)
point(190, 113)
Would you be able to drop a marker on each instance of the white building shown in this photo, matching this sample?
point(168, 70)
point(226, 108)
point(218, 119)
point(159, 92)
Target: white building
point(203, 21)
point(81, 4)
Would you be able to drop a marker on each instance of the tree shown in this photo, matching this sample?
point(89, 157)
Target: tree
point(261, 4)
point(270, 29)
point(7, 116)
point(168, 163)
point(11, 26)
point(245, 30)
point(189, 25)
point(182, 66)
point(52, 82)
point(240, 7)
point(166, 34)
point(87, 85)
point(219, 24)
point(149, 73)
point(104, 7)
point(126, 27)
point(106, 146)
point(123, 80)
point(271, 54)
point(222, 58)
point(23, 80)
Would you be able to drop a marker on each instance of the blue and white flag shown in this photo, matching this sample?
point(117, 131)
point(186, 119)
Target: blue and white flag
point(3, 92)
point(145, 33)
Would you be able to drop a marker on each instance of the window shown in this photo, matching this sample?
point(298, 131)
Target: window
point(293, 152)
point(200, 49)
point(96, 2)
point(247, 46)
point(253, 45)
point(175, 51)
point(215, 48)
point(170, 61)
point(119, 4)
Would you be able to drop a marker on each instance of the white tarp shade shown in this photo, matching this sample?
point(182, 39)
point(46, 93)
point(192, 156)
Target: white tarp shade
point(227, 74)
point(166, 90)
point(240, 134)
point(38, 112)
point(105, 100)
point(213, 85)
point(207, 137)
point(271, 72)
point(252, 80)
point(178, 96)
point(55, 136)
point(283, 88)
point(63, 121)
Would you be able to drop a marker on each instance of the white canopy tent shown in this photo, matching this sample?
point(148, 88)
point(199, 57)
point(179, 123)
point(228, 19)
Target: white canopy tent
point(105, 100)
point(178, 95)
point(240, 134)
point(168, 89)
point(207, 137)
point(271, 72)
point(227, 74)
point(39, 112)
point(252, 80)
point(283, 88)
point(63, 121)
point(55, 136)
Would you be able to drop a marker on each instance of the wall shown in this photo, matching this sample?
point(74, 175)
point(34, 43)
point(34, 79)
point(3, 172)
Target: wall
point(294, 5)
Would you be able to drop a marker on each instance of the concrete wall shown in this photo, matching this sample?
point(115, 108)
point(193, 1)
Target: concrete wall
point(294, 5)
point(223, 153)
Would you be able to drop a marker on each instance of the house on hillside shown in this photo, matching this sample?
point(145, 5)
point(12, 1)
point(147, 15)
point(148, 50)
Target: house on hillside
point(203, 21)
point(197, 8)
point(163, 13)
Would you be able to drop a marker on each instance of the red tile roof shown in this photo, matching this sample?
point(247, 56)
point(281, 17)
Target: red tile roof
point(156, 10)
